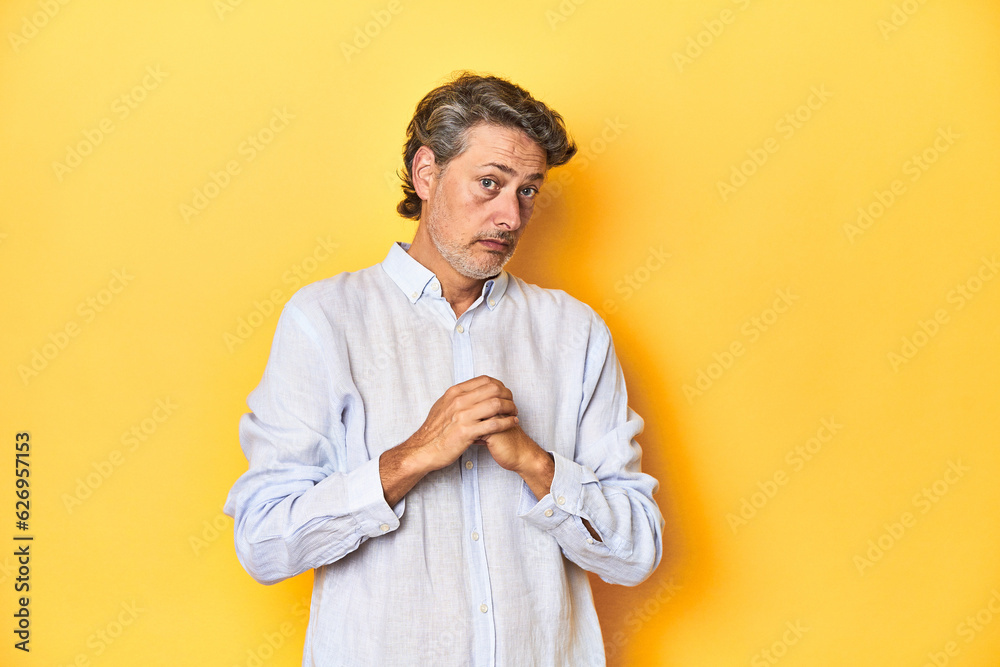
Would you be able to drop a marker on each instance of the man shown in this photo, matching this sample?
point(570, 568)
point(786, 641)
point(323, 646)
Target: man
point(448, 446)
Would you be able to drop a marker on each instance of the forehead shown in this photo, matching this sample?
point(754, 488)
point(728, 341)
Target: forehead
point(486, 143)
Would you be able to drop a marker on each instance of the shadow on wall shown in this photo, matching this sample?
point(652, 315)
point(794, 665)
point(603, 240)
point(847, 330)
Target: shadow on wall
point(554, 253)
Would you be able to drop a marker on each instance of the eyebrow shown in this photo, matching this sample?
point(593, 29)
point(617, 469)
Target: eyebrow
point(510, 172)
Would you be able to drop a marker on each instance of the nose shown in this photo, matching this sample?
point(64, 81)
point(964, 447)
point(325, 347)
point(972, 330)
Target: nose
point(508, 212)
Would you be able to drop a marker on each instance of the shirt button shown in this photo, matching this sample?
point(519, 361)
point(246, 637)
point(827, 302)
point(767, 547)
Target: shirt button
point(415, 295)
point(434, 286)
point(475, 536)
point(548, 512)
point(384, 527)
point(468, 465)
point(459, 328)
point(492, 303)
point(483, 608)
point(590, 540)
point(561, 500)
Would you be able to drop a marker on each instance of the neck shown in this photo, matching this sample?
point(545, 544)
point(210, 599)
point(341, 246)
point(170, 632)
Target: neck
point(458, 290)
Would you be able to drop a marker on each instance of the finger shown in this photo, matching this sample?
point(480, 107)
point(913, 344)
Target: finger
point(475, 383)
point(495, 425)
point(490, 389)
point(488, 408)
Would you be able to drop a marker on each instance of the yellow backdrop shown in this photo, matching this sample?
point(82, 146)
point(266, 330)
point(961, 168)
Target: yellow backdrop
point(785, 211)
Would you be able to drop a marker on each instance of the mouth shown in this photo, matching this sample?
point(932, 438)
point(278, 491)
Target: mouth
point(493, 244)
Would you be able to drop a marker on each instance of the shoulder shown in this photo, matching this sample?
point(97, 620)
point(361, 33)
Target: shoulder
point(575, 317)
point(331, 298)
point(346, 283)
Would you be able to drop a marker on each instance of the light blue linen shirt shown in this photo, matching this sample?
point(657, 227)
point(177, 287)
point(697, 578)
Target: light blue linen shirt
point(469, 568)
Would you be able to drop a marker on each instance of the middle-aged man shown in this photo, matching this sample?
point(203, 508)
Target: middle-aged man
point(448, 446)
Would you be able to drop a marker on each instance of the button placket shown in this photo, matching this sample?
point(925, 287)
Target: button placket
point(482, 593)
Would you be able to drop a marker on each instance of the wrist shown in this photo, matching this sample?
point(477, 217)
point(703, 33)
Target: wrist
point(417, 460)
point(538, 473)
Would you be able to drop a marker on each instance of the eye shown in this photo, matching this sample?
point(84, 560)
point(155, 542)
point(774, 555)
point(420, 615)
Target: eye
point(529, 192)
point(487, 183)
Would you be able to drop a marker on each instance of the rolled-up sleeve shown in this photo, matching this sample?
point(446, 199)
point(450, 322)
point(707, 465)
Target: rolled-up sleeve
point(603, 483)
point(297, 507)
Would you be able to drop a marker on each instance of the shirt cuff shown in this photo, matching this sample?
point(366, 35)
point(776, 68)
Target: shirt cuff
point(366, 501)
point(565, 495)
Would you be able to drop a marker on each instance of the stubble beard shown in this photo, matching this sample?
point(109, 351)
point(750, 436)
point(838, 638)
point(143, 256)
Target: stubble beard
point(464, 258)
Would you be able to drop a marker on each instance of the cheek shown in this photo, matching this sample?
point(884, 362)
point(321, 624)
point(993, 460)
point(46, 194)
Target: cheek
point(526, 209)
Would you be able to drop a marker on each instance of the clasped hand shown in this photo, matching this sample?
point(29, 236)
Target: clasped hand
point(480, 411)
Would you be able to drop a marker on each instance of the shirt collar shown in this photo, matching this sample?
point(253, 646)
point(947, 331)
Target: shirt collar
point(415, 279)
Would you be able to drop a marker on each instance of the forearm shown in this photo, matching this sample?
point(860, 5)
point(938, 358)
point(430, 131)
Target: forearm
point(400, 468)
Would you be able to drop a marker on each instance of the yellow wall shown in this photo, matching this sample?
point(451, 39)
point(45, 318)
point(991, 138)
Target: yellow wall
point(806, 373)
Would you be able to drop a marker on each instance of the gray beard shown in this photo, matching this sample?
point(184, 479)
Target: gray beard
point(458, 258)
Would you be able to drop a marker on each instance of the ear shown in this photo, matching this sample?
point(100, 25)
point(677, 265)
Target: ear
point(423, 172)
